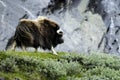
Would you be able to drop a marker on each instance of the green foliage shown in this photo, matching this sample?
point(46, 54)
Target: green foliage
point(55, 69)
point(52, 69)
point(65, 66)
point(96, 66)
point(104, 72)
point(8, 65)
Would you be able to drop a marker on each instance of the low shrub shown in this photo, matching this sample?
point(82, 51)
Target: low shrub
point(67, 66)
point(8, 65)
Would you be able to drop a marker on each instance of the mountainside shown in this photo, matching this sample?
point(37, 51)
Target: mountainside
point(88, 25)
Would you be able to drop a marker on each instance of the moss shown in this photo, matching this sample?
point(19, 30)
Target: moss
point(38, 55)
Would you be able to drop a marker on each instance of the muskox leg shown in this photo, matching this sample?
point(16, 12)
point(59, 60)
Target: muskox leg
point(13, 46)
point(24, 48)
point(36, 49)
point(53, 51)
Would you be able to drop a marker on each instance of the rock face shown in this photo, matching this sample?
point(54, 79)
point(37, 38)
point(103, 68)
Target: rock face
point(82, 21)
point(91, 31)
point(110, 12)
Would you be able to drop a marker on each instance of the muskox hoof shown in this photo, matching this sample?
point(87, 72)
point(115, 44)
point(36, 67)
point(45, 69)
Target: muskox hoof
point(55, 53)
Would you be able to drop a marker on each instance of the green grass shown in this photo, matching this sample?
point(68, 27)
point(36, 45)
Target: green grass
point(39, 55)
point(64, 66)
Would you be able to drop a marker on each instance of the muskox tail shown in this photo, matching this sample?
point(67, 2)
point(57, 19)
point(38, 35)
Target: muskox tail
point(10, 42)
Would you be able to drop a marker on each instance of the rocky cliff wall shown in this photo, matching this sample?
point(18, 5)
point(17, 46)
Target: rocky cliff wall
point(84, 22)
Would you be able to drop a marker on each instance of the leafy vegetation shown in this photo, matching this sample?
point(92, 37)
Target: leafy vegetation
point(65, 66)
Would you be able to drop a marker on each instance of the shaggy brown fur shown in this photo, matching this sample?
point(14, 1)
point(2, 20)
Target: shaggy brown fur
point(41, 32)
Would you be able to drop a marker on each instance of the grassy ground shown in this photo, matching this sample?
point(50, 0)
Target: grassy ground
point(65, 66)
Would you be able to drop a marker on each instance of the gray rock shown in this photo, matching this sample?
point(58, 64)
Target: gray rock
point(83, 30)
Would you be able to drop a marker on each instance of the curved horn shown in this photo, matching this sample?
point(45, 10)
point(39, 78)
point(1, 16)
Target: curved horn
point(59, 32)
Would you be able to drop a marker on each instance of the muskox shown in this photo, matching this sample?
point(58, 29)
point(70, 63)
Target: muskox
point(41, 32)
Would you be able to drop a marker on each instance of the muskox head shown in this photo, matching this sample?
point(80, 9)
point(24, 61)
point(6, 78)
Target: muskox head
point(56, 33)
